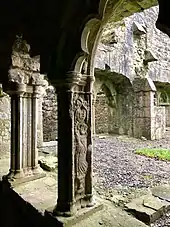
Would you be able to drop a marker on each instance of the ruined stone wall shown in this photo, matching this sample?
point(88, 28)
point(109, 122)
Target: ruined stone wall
point(49, 107)
point(101, 114)
point(167, 110)
point(159, 122)
point(122, 119)
point(113, 120)
point(121, 51)
point(114, 110)
point(5, 128)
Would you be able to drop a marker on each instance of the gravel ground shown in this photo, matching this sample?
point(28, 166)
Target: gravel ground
point(163, 222)
point(118, 170)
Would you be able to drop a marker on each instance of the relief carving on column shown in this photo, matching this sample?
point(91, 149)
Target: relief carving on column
point(81, 147)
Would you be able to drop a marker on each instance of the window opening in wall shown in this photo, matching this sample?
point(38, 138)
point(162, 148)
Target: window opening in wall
point(163, 98)
point(50, 129)
point(164, 101)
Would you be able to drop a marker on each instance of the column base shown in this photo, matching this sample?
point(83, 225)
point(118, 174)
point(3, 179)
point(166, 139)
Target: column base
point(23, 176)
point(70, 221)
point(67, 209)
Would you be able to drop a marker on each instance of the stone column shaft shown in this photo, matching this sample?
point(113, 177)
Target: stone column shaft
point(18, 131)
point(34, 128)
point(91, 134)
point(40, 124)
point(16, 134)
point(24, 132)
point(74, 149)
point(65, 152)
point(24, 119)
point(13, 144)
point(29, 131)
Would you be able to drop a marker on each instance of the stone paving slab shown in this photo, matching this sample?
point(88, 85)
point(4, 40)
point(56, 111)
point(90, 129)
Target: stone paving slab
point(155, 203)
point(110, 216)
point(162, 192)
point(41, 193)
point(148, 208)
point(104, 214)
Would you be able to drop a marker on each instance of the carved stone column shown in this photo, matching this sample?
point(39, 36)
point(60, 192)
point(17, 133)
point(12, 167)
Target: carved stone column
point(93, 115)
point(40, 124)
point(16, 132)
point(25, 88)
point(24, 119)
point(35, 94)
point(74, 144)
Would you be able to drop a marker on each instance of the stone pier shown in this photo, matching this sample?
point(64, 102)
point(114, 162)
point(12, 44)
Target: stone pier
point(26, 87)
point(74, 145)
point(24, 120)
point(149, 119)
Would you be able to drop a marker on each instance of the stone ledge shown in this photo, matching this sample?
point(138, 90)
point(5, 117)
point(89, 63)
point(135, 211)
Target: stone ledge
point(15, 182)
point(79, 216)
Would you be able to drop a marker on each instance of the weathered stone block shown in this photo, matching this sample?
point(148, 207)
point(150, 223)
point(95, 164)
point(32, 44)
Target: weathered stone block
point(162, 192)
point(148, 208)
point(48, 163)
point(147, 112)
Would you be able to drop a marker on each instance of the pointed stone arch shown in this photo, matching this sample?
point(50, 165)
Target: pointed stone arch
point(77, 84)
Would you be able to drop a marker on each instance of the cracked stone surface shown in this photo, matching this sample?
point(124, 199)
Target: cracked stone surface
point(163, 192)
point(109, 217)
point(41, 193)
point(148, 208)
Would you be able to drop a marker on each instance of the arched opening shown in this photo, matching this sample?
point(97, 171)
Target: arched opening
point(102, 110)
point(73, 80)
point(113, 154)
point(113, 104)
point(163, 97)
point(163, 101)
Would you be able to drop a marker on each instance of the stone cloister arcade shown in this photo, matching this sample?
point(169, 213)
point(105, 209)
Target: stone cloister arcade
point(66, 47)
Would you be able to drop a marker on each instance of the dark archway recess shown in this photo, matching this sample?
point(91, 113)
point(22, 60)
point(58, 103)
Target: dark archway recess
point(52, 28)
point(163, 22)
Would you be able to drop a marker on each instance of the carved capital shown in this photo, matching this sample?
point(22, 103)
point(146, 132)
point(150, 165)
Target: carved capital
point(38, 91)
point(37, 79)
point(74, 80)
point(16, 89)
point(18, 76)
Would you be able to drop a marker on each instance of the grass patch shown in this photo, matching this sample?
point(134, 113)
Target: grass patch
point(159, 153)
